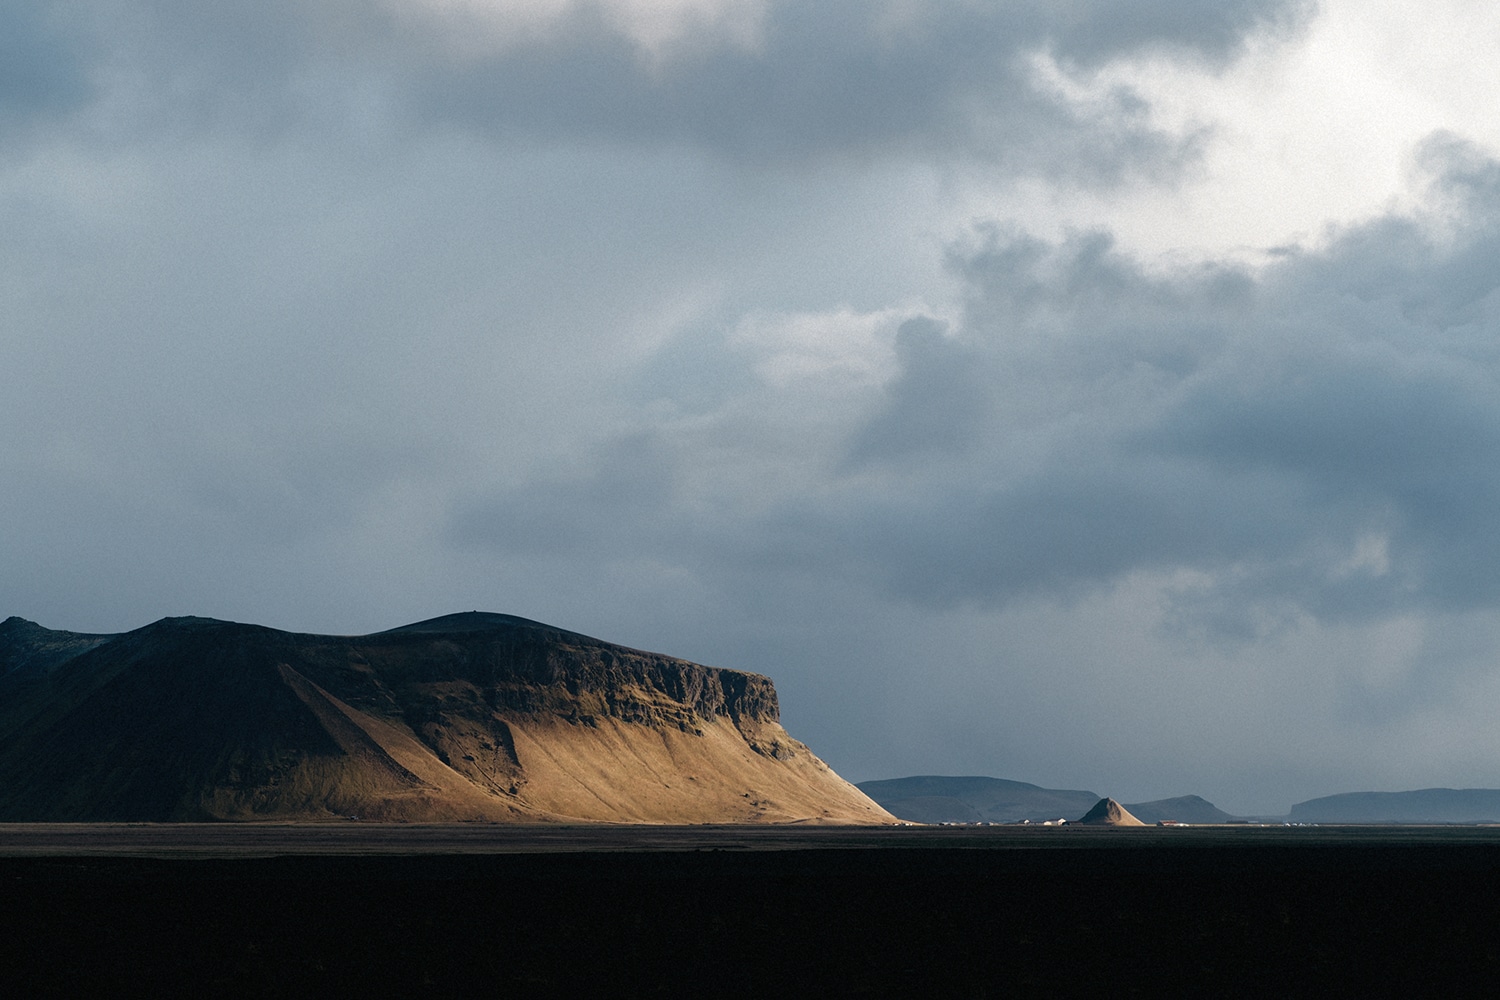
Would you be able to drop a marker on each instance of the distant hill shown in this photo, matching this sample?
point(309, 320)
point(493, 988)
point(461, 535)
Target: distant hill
point(1427, 805)
point(1183, 809)
point(1108, 812)
point(469, 717)
point(940, 799)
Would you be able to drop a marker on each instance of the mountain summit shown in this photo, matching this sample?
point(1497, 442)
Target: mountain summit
point(468, 717)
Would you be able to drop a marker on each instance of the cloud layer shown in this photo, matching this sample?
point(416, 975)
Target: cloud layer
point(708, 327)
point(1314, 438)
point(771, 82)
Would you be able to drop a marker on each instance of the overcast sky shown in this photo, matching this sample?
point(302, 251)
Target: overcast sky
point(1097, 393)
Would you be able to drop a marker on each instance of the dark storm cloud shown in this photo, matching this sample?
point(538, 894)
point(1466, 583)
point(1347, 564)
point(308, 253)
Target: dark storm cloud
point(935, 403)
point(1090, 34)
point(178, 69)
point(1321, 438)
point(1326, 435)
point(840, 77)
point(45, 64)
point(619, 501)
point(852, 77)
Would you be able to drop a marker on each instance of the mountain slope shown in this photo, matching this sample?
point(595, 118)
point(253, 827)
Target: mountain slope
point(1182, 809)
point(466, 717)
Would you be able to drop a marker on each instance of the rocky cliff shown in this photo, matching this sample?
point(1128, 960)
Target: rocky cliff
point(467, 717)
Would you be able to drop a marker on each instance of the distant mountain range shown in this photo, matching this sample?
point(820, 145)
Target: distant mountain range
point(940, 799)
point(1427, 805)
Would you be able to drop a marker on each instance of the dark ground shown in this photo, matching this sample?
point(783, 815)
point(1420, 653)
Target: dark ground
point(727, 912)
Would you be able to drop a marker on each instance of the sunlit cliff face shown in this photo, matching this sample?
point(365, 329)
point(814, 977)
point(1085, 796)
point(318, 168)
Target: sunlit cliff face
point(469, 717)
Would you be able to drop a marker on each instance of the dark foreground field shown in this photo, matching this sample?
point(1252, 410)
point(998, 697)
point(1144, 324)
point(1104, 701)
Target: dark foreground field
point(383, 911)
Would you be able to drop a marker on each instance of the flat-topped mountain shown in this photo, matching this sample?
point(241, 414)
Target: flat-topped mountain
point(468, 717)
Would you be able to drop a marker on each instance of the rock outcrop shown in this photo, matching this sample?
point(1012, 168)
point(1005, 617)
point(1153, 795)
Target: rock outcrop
point(469, 717)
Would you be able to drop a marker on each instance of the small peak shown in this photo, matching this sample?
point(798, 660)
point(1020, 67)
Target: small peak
point(1108, 812)
point(188, 621)
point(470, 621)
point(490, 621)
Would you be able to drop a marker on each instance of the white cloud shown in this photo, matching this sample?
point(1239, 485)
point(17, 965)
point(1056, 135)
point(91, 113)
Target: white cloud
point(1307, 130)
point(842, 346)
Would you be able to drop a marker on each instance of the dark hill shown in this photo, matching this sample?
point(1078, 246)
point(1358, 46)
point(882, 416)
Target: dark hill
point(1427, 805)
point(484, 621)
point(466, 717)
point(26, 646)
point(1182, 809)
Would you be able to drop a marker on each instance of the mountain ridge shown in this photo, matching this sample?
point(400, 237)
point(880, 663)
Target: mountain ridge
point(476, 716)
point(1422, 805)
point(934, 798)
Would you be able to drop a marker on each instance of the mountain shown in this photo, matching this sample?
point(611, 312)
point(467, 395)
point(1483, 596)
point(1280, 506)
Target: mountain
point(1108, 812)
point(1427, 805)
point(1182, 809)
point(938, 799)
point(468, 717)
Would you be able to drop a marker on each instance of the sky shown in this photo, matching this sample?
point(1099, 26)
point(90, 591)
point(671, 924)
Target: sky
point(1093, 393)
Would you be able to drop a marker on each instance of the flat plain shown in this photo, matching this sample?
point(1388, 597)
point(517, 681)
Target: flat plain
point(226, 841)
point(340, 909)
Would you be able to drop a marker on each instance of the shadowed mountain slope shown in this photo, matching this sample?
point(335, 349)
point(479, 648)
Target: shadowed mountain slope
point(467, 717)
